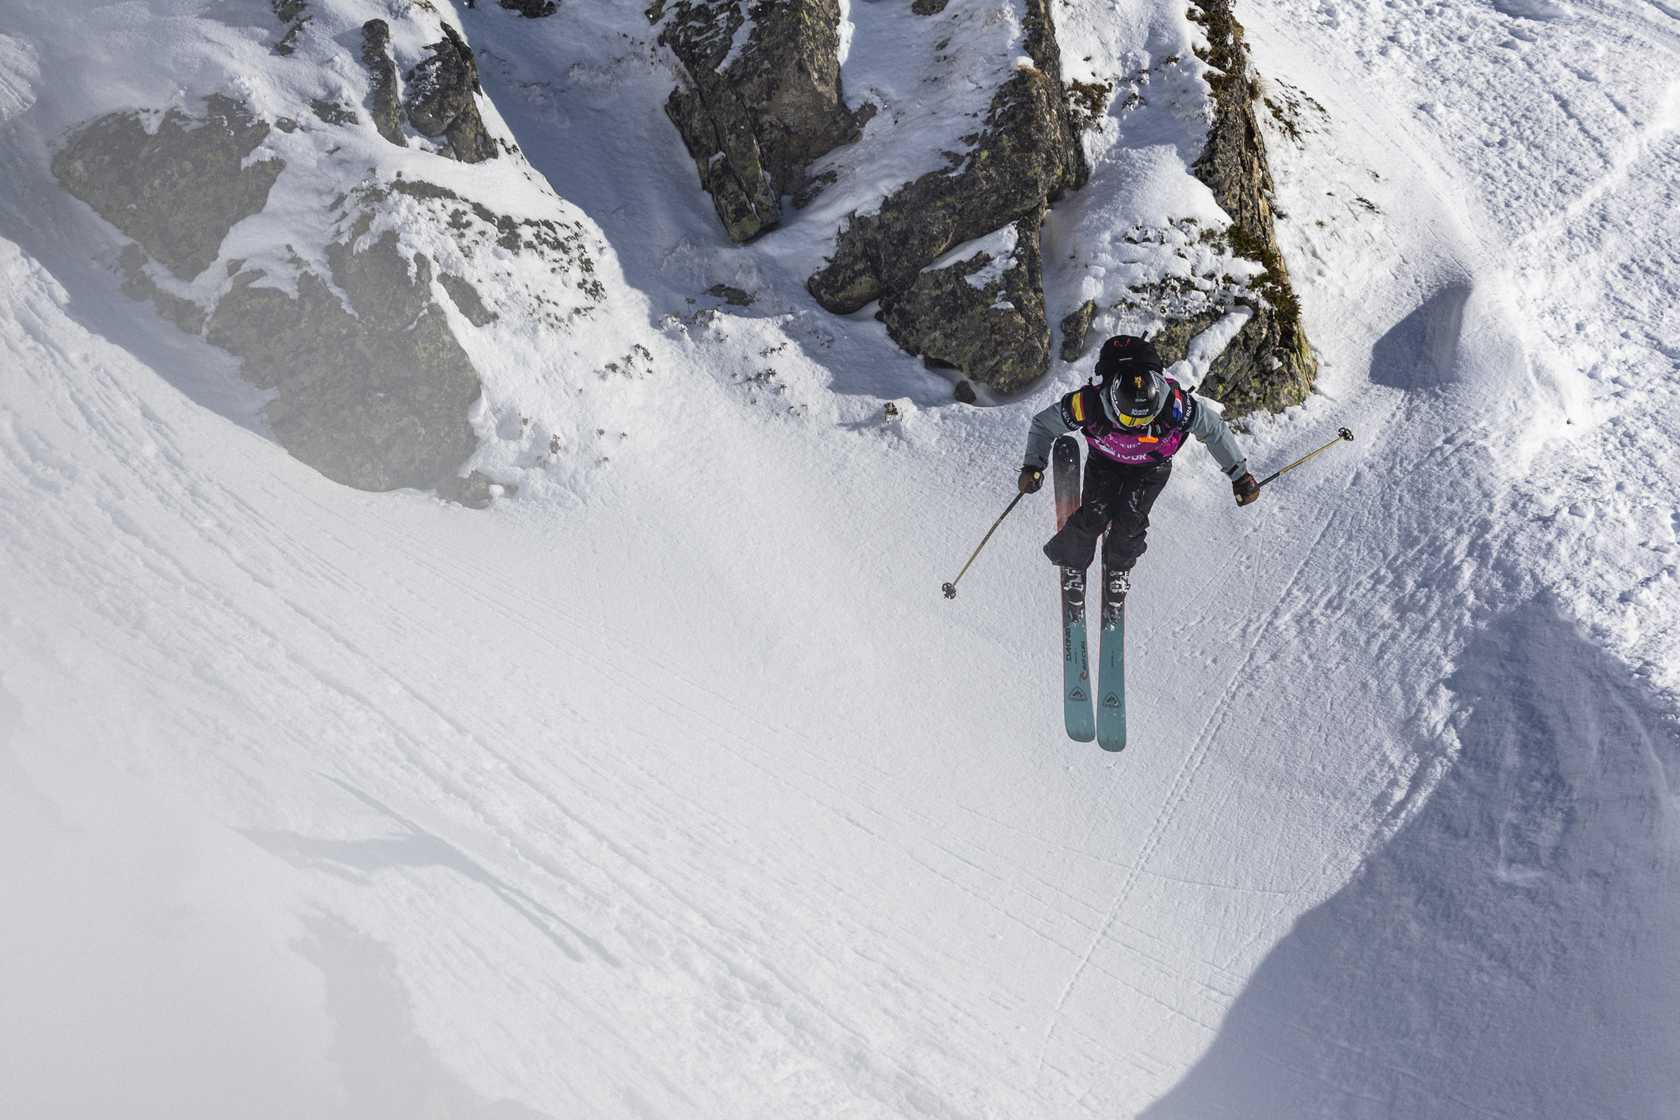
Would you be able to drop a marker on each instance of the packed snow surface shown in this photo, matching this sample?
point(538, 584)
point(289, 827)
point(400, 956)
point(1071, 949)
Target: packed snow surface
point(673, 788)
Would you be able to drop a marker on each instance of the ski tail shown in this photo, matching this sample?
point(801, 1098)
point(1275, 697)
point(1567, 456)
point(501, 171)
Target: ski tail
point(1076, 668)
point(1064, 468)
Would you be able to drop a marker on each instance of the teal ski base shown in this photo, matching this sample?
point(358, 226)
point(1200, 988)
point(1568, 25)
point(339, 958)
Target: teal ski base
point(1076, 667)
point(1111, 666)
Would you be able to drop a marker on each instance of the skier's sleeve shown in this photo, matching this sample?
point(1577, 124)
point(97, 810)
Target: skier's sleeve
point(1053, 420)
point(1210, 427)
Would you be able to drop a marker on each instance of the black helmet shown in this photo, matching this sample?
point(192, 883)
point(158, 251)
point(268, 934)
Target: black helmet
point(1133, 386)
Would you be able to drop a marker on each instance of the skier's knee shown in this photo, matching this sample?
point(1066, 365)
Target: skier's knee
point(1071, 548)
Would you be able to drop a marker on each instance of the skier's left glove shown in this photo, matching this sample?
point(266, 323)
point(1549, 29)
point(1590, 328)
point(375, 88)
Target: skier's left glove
point(1246, 489)
point(1031, 479)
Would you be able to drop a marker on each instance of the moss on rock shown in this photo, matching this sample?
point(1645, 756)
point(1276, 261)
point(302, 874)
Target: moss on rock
point(1269, 364)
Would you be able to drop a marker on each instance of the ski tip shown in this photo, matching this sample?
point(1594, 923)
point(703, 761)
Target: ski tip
point(1082, 734)
point(1113, 746)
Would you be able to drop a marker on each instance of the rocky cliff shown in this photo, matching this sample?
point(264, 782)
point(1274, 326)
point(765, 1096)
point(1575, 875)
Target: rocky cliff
point(955, 256)
point(354, 321)
point(1269, 364)
point(1023, 158)
point(759, 100)
point(359, 230)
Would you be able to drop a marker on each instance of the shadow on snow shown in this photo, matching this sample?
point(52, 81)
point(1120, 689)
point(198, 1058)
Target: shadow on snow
point(1510, 951)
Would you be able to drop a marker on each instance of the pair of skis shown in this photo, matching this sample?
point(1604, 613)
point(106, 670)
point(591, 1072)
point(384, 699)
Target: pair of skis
point(1108, 724)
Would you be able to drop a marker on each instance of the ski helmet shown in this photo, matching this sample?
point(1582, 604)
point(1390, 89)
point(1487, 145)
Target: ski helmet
point(1133, 387)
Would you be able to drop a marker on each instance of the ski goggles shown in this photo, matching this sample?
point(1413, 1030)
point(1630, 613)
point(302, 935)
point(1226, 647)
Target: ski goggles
point(1134, 421)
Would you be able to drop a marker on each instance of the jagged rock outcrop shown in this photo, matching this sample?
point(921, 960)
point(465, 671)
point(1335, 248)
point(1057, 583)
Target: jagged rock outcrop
point(466, 298)
point(176, 190)
point(375, 395)
point(1269, 364)
point(384, 105)
point(294, 16)
point(530, 9)
point(331, 112)
point(442, 100)
point(1076, 328)
point(442, 92)
point(1172, 341)
point(1025, 157)
point(983, 314)
point(760, 101)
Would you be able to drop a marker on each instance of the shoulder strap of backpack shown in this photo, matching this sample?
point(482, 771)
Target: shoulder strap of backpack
point(1186, 402)
point(1083, 407)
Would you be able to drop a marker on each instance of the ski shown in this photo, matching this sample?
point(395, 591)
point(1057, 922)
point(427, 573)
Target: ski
point(1076, 668)
point(1111, 668)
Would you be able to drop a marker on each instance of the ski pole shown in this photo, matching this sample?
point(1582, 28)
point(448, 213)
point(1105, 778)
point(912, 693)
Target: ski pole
point(1340, 436)
point(950, 589)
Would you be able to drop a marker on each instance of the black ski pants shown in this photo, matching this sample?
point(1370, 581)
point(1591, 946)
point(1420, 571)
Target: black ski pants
point(1117, 499)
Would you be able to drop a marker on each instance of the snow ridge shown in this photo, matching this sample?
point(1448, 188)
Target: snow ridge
point(674, 788)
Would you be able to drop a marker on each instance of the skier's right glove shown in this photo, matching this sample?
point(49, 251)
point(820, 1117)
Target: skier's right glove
point(1246, 489)
point(1031, 479)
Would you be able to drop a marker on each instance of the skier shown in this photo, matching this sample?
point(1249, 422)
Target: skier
point(1135, 420)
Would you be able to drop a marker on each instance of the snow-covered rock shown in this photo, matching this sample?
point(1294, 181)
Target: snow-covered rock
point(1269, 364)
point(1011, 154)
point(759, 99)
point(1022, 157)
point(442, 98)
point(176, 185)
point(296, 215)
point(981, 313)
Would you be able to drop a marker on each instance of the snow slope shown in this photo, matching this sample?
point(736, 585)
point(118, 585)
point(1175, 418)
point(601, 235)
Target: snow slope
point(673, 787)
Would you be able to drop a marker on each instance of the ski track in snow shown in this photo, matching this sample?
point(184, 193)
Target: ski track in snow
point(675, 791)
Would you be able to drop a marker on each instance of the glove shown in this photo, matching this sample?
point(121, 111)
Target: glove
point(1031, 479)
point(1246, 489)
